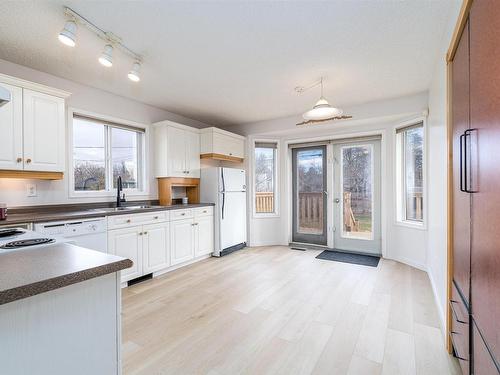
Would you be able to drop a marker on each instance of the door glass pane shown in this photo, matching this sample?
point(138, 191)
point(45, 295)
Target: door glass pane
point(89, 161)
point(310, 191)
point(357, 192)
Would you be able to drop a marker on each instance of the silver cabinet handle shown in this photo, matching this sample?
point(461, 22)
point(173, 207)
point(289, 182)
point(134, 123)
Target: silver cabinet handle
point(19, 160)
point(140, 233)
point(336, 200)
point(156, 218)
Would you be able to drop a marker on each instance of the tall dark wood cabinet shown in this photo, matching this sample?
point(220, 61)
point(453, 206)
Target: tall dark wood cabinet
point(475, 122)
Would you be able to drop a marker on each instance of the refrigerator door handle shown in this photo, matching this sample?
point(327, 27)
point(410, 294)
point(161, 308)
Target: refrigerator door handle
point(223, 202)
point(223, 182)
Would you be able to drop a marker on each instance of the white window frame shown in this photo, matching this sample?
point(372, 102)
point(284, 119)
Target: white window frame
point(399, 184)
point(143, 158)
point(277, 195)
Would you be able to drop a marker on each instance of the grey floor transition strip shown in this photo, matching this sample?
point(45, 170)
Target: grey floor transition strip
point(340, 256)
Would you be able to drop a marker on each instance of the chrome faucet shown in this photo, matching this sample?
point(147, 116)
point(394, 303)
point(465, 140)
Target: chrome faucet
point(120, 197)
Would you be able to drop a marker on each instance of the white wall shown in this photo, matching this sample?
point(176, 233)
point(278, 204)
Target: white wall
point(13, 191)
point(401, 243)
point(437, 172)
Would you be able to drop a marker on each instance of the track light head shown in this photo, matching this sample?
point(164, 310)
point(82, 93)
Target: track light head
point(106, 57)
point(133, 75)
point(68, 34)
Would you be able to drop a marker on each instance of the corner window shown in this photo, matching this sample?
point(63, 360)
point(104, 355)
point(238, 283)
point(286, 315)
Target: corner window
point(265, 172)
point(102, 152)
point(410, 153)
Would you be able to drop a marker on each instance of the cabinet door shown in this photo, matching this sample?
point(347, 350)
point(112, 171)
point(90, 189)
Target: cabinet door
point(11, 129)
point(181, 241)
point(176, 140)
point(156, 241)
point(44, 128)
point(461, 200)
point(127, 243)
point(192, 154)
point(485, 117)
point(204, 235)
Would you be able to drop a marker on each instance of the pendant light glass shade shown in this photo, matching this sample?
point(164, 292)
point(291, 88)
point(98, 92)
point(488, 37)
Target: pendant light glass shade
point(68, 34)
point(322, 110)
point(133, 75)
point(106, 58)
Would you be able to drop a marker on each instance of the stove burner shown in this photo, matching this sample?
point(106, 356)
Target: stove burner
point(28, 242)
point(10, 232)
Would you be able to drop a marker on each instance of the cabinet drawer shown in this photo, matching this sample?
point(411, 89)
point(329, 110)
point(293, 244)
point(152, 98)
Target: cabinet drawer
point(203, 211)
point(181, 214)
point(484, 364)
point(124, 221)
point(459, 334)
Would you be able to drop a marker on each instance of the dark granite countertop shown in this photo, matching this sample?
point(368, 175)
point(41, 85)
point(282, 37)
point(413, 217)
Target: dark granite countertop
point(28, 272)
point(52, 213)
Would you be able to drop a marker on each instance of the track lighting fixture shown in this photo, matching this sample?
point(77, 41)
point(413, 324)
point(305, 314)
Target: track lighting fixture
point(106, 57)
point(68, 34)
point(112, 41)
point(133, 75)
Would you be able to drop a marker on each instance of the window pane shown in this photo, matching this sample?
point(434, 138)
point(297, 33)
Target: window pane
point(124, 155)
point(265, 164)
point(310, 189)
point(357, 186)
point(413, 156)
point(89, 155)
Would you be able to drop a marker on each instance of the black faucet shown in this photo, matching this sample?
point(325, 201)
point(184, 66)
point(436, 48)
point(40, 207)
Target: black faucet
point(119, 196)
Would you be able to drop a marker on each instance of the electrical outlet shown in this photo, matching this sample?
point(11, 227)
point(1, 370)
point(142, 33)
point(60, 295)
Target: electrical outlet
point(31, 190)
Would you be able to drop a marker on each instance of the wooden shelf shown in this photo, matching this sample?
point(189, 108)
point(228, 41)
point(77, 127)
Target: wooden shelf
point(35, 175)
point(165, 185)
point(222, 157)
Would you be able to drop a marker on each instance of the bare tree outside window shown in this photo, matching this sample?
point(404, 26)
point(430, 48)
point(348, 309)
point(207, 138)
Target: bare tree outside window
point(413, 143)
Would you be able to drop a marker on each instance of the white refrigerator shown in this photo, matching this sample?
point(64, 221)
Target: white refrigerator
point(226, 187)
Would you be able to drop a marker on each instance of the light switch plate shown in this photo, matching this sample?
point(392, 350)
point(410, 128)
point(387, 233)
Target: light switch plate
point(31, 190)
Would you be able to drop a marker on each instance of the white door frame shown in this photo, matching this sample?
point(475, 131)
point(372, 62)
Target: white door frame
point(336, 137)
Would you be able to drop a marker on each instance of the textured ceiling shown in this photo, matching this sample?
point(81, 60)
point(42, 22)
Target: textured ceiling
point(236, 62)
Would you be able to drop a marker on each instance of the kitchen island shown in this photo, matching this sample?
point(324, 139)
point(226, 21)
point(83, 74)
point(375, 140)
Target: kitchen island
point(60, 311)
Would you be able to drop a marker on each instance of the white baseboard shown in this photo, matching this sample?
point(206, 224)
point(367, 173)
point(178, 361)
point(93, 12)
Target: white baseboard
point(442, 319)
point(410, 262)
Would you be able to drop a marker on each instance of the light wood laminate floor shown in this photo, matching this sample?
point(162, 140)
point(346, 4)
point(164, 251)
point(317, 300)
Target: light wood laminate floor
point(273, 310)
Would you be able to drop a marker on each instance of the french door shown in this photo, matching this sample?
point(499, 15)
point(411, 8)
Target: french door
point(356, 196)
point(309, 178)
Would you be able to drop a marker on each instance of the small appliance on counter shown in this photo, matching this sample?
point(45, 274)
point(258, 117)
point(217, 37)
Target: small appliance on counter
point(3, 211)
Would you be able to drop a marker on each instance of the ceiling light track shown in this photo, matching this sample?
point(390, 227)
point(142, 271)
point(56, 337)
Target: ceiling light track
point(68, 37)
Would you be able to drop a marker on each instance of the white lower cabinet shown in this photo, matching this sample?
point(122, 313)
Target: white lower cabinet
point(182, 240)
point(127, 243)
point(156, 246)
point(204, 235)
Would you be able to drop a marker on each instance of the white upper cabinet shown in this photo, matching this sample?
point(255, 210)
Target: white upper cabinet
point(177, 150)
point(220, 144)
point(44, 125)
point(11, 130)
point(32, 127)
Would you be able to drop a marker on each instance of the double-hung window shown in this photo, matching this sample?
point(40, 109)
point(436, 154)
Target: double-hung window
point(265, 177)
point(102, 151)
point(410, 171)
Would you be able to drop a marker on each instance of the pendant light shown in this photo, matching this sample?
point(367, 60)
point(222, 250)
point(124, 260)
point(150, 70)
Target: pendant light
point(68, 34)
point(106, 58)
point(322, 110)
point(133, 75)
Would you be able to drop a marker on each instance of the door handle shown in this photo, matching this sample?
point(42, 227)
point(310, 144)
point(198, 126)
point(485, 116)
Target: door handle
point(467, 175)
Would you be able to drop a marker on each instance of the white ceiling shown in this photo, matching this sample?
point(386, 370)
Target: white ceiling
point(227, 62)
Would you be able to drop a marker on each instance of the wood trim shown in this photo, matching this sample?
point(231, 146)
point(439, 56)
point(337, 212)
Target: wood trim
point(459, 27)
point(222, 157)
point(165, 185)
point(449, 203)
point(31, 175)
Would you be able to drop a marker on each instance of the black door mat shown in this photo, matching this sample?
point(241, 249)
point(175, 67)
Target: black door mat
point(340, 256)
